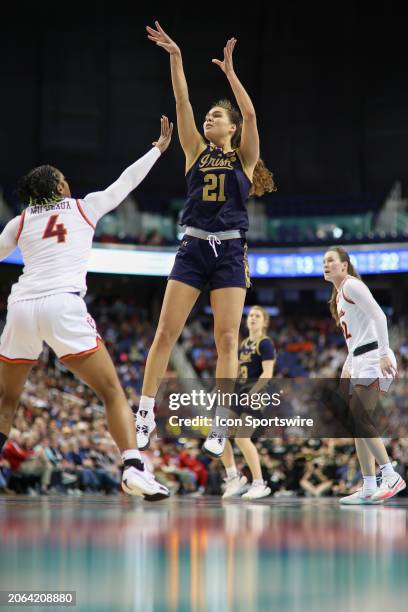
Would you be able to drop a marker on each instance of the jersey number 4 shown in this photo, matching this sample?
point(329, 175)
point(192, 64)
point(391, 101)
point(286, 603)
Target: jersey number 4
point(55, 229)
point(214, 188)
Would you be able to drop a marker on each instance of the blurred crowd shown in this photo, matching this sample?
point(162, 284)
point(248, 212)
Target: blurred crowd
point(305, 346)
point(59, 442)
point(291, 467)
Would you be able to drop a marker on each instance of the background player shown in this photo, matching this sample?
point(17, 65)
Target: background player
point(256, 361)
point(221, 171)
point(55, 237)
point(370, 360)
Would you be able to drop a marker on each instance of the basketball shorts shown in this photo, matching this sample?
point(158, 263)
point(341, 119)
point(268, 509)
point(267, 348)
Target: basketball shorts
point(61, 320)
point(197, 265)
point(365, 370)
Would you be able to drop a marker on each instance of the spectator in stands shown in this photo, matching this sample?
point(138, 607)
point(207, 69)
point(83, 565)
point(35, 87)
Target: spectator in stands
point(25, 460)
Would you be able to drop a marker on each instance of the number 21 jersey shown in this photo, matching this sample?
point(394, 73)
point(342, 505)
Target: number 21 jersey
point(217, 191)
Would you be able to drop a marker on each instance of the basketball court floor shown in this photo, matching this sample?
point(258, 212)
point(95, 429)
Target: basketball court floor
point(193, 554)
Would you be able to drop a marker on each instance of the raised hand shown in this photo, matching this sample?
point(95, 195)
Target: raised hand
point(162, 39)
point(226, 64)
point(166, 130)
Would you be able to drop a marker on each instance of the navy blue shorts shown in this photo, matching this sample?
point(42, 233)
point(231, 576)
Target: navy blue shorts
point(197, 265)
point(236, 407)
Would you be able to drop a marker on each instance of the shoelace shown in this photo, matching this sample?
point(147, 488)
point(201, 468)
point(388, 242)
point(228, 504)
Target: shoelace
point(213, 240)
point(231, 478)
point(143, 429)
point(213, 435)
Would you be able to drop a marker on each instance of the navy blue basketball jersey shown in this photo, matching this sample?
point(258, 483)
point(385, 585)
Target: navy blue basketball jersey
point(217, 192)
point(251, 355)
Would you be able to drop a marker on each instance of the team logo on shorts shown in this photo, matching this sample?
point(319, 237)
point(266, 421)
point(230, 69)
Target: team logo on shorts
point(90, 321)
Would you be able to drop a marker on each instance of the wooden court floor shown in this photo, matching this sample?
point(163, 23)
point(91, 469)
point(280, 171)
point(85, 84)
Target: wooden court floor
point(193, 554)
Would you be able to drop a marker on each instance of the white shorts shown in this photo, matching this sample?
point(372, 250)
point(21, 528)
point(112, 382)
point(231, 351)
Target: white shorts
point(61, 320)
point(365, 370)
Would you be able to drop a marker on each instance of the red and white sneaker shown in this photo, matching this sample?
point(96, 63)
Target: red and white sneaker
point(390, 486)
point(358, 498)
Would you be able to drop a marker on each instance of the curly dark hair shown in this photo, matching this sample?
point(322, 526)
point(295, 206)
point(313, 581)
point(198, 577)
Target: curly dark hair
point(262, 181)
point(39, 186)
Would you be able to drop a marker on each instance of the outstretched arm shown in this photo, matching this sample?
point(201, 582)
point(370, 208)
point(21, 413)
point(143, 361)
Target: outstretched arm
point(249, 146)
point(101, 202)
point(8, 236)
point(190, 138)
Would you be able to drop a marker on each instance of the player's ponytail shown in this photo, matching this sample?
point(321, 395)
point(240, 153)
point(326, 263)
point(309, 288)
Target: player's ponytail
point(351, 271)
point(39, 186)
point(262, 179)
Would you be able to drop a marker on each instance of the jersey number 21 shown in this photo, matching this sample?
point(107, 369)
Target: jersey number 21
point(214, 188)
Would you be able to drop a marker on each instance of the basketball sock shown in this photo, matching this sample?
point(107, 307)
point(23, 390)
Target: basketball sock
point(132, 453)
point(258, 482)
point(232, 472)
point(3, 439)
point(387, 469)
point(146, 403)
point(370, 483)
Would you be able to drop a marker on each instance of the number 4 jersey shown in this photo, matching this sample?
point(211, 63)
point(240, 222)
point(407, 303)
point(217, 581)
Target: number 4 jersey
point(217, 192)
point(361, 318)
point(55, 239)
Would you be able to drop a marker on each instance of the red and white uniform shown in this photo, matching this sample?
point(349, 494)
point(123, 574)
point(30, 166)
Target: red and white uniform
point(363, 322)
point(55, 240)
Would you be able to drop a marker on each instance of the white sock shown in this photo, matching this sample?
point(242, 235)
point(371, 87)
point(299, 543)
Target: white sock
point(387, 469)
point(221, 413)
point(131, 453)
point(258, 482)
point(232, 472)
point(146, 403)
point(370, 483)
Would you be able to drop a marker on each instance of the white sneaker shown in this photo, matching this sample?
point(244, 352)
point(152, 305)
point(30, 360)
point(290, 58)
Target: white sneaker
point(235, 486)
point(214, 444)
point(137, 480)
point(145, 426)
point(359, 498)
point(390, 486)
point(256, 491)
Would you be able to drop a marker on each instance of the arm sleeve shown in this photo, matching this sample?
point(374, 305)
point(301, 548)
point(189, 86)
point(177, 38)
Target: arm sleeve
point(360, 294)
point(101, 202)
point(8, 236)
point(267, 350)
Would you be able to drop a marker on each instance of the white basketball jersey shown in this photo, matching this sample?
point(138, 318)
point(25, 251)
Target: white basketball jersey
point(55, 241)
point(358, 327)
